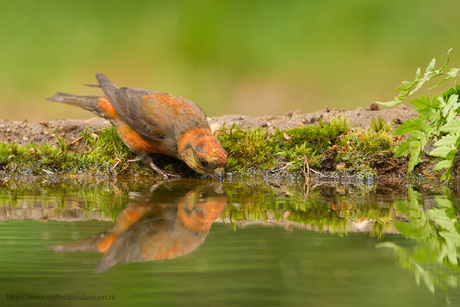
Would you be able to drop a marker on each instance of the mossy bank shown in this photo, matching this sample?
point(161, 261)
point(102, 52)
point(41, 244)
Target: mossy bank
point(328, 143)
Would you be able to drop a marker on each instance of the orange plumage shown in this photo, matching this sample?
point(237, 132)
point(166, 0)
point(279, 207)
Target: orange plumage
point(154, 122)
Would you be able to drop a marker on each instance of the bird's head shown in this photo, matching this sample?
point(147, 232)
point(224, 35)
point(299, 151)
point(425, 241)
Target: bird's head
point(203, 153)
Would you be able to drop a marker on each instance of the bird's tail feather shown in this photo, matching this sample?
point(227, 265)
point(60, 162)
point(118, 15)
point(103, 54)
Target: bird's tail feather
point(89, 103)
point(110, 90)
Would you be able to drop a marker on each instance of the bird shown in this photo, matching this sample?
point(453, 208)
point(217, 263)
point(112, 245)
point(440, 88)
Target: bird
point(151, 122)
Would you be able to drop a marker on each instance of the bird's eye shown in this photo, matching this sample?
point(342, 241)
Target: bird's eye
point(204, 163)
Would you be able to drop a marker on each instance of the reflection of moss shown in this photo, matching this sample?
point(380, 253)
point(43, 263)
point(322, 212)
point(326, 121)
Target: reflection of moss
point(323, 208)
point(63, 193)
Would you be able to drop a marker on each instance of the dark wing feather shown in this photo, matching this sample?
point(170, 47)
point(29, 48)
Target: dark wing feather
point(153, 115)
point(150, 123)
point(127, 103)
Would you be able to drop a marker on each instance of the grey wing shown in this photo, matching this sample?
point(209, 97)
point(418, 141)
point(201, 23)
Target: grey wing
point(129, 105)
point(147, 122)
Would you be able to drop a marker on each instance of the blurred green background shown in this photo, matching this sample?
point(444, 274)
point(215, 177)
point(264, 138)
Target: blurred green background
point(258, 57)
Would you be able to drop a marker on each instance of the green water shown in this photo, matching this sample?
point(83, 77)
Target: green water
point(320, 244)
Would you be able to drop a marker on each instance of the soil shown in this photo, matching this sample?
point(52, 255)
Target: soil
point(24, 133)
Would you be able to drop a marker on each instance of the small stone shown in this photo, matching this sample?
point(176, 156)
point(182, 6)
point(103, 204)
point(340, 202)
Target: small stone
point(374, 107)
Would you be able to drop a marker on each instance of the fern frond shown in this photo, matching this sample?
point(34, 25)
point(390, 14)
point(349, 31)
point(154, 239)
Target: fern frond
point(408, 88)
point(452, 126)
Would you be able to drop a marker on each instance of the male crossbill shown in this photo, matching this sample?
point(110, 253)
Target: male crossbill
point(154, 122)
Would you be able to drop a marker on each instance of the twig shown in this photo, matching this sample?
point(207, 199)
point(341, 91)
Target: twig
point(79, 138)
point(76, 140)
point(305, 164)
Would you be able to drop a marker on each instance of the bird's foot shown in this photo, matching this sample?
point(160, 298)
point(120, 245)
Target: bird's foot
point(164, 174)
point(148, 160)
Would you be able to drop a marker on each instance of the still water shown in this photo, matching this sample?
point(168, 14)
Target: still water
point(133, 241)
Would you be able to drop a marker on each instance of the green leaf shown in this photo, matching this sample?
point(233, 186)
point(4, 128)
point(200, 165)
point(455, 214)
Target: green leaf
point(453, 126)
point(451, 105)
point(443, 202)
point(443, 164)
point(448, 140)
point(409, 87)
point(422, 104)
point(390, 103)
point(430, 67)
point(454, 72)
point(443, 151)
point(419, 135)
point(412, 125)
point(444, 222)
point(448, 59)
point(403, 149)
point(414, 156)
point(451, 155)
point(437, 116)
point(417, 74)
point(453, 90)
point(441, 103)
point(415, 229)
point(447, 174)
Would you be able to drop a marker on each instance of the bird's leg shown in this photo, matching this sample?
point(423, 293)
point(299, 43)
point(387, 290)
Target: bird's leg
point(148, 160)
point(163, 173)
point(138, 158)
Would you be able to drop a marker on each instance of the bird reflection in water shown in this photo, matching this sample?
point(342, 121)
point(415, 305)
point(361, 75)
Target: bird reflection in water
point(163, 224)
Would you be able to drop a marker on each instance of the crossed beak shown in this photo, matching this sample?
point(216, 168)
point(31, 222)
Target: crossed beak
point(217, 174)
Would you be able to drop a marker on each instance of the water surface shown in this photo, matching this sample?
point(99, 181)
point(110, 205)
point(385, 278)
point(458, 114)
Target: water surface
point(69, 242)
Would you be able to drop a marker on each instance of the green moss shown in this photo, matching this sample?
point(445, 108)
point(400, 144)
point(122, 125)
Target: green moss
point(358, 147)
point(247, 149)
point(253, 151)
point(257, 150)
point(331, 143)
point(317, 137)
point(309, 142)
point(105, 153)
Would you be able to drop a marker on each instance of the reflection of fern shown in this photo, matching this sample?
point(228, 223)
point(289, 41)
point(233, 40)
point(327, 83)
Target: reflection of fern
point(436, 120)
point(435, 260)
